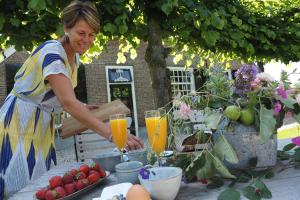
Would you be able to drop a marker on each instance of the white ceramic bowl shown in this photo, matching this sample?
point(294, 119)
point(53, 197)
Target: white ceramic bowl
point(128, 171)
point(165, 184)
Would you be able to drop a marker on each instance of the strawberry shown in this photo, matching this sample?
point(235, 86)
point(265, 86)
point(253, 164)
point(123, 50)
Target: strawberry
point(95, 166)
point(70, 188)
point(60, 192)
point(50, 195)
point(94, 172)
point(67, 178)
point(55, 181)
point(73, 172)
point(93, 178)
point(40, 194)
point(84, 168)
point(82, 183)
point(102, 173)
point(80, 175)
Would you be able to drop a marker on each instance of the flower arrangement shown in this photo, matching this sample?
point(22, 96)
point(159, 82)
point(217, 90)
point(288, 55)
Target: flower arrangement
point(252, 98)
point(269, 100)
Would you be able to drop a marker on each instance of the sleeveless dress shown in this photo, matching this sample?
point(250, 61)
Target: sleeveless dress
point(27, 148)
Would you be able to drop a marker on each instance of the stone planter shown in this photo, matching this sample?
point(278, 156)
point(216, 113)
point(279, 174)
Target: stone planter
point(245, 141)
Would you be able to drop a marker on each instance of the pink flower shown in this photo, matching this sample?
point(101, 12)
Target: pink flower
point(296, 141)
point(277, 108)
point(184, 110)
point(280, 91)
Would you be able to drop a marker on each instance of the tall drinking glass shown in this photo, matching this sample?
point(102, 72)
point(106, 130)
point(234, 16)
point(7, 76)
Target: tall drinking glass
point(118, 125)
point(156, 124)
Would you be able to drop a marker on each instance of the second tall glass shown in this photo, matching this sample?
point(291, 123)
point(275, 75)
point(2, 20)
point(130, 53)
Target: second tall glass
point(156, 124)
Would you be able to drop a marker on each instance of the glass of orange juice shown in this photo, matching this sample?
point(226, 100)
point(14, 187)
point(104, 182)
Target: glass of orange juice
point(118, 125)
point(156, 124)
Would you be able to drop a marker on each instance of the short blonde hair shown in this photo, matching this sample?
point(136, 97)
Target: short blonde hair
point(78, 10)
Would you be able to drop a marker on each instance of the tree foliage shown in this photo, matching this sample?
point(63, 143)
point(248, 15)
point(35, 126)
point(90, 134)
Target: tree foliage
point(222, 29)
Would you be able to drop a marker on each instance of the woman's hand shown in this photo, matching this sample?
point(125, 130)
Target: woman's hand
point(133, 142)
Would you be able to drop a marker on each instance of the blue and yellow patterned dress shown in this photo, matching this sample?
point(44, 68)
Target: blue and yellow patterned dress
point(27, 148)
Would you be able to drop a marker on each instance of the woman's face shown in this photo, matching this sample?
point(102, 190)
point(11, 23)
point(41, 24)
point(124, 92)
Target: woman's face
point(81, 36)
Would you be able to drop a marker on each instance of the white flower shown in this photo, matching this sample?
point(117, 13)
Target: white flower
point(265, 77)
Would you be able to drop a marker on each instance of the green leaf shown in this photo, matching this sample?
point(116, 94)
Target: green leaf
point(230, 193)
point(224, 151)
point(111, 28)
point(232, 9)
point(296, 156)
point(216, 21)
point(15, 22)
point(220, 167)
point(212, 119)
point(198, 162)
point(197, 23)
point(2, 21)
point(265, 192)
point(288, 102)
point(250, 193)
point(297, 118)
point(215, 183)
point(289, 147)
point(207, 170)
point(236, 21)
point(267, 123)
point(37, 5)
point(210, 37)
point(123, 29)
point(167, 8)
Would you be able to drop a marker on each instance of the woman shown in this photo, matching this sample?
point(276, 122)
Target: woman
point(43, 87)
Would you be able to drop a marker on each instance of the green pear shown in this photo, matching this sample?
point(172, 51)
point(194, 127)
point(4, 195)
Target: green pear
point(247, 116)
point(232, 112)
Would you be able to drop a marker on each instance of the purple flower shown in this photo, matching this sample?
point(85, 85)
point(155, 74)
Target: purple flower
point(281, 91)
point(245, 75)
point(144, 173)
point(277, 108)
point(296, 141)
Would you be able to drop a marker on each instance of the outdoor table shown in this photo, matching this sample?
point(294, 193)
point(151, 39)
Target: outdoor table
point(285, 185)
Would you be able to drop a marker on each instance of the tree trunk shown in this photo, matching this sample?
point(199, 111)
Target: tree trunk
point(155, 56)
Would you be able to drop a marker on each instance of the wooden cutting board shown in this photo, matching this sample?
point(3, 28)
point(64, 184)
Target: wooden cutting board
point(71, 126)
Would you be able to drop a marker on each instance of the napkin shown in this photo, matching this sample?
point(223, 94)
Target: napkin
point(109, 192)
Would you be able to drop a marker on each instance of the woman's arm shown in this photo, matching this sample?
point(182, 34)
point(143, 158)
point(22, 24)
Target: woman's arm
point(63, 90)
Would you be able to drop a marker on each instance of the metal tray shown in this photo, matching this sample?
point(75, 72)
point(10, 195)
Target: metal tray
point(84, 190)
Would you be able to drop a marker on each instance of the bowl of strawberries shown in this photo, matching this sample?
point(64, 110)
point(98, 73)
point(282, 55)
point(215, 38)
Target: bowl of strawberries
point(73, 183)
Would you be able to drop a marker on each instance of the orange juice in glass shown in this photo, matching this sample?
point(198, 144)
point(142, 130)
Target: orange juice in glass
point(118, 125)
point(156, 124)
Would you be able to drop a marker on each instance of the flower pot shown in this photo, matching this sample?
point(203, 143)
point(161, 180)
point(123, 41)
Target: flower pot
point(246, 143)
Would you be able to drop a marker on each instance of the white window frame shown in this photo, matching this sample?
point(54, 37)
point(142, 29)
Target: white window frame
point(192, 78)
point(123, 83)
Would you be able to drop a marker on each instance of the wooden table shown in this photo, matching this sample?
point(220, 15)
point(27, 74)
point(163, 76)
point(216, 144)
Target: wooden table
point(285, 185)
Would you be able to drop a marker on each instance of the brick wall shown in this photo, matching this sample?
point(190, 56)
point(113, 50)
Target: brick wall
point(16, 58)
point(96, 79)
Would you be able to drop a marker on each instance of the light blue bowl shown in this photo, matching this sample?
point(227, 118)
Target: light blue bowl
point(128, 171)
